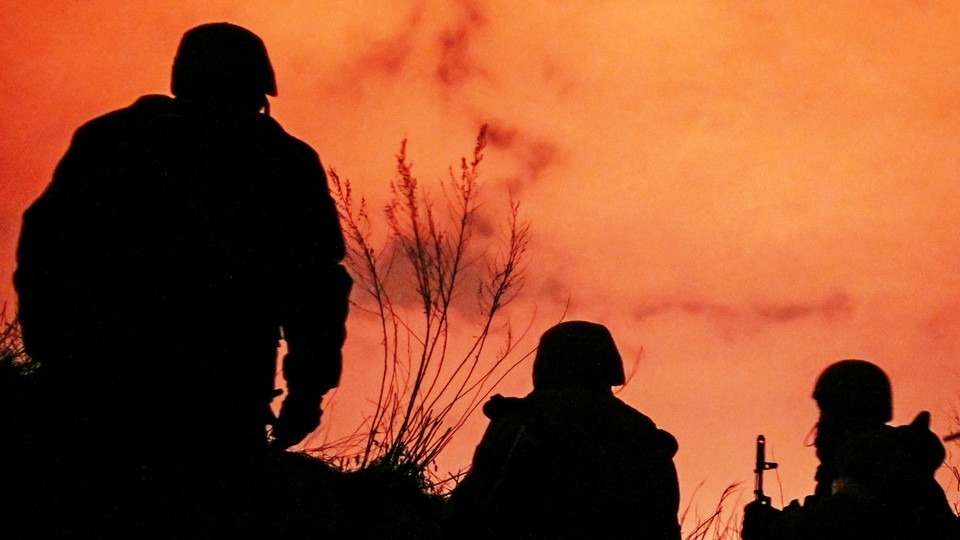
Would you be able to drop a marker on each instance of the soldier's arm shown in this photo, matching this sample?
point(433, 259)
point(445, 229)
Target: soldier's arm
point(313, 297)
point(52, 295)
point(316, 288)
point(661, 495)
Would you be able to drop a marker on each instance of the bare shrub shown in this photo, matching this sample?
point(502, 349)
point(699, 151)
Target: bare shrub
point(438, 364)
point(952, 464)
point(17, 376)
point(13, 357)
point(721, 524)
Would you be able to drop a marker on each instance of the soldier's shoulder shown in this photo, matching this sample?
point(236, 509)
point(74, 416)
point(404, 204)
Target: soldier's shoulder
point(144, 106)
point(499, 407)
point(660, 440)
point(631, 414)
point(893, 450)
point(284, 140)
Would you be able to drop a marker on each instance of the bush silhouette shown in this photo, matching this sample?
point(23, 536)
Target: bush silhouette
point(414, 285)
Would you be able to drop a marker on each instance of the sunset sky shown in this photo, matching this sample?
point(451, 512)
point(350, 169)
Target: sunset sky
point(745, 191)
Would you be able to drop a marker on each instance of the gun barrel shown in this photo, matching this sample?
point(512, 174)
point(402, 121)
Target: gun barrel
point(761, 465)
point(761, 454)
point(758, 468)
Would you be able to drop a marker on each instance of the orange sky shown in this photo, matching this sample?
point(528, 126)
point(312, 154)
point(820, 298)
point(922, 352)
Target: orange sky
point(747, 191)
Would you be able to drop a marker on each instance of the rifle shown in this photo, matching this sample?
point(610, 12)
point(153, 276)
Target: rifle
point(762, 465)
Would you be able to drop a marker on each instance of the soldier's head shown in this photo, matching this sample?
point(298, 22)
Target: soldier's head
point(854, 391)
point(852, 395)
point(577, 355)
point(224, 64)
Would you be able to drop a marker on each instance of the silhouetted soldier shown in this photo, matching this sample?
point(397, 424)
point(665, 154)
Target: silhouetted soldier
point(179, 237)
point(874, 481)
point(570, 460)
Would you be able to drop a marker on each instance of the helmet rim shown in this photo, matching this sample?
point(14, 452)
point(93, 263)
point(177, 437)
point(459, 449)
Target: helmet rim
point(577, 354)
point(854, 389)
point(220, 60)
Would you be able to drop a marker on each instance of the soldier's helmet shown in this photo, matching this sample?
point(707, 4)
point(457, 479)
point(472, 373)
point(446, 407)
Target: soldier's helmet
point(856, 391)
point(577, 354)
point(222, 60)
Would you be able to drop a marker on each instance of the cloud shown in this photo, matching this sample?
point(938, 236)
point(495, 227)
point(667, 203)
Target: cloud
point(552, 291)
point(455, 64)
point(835, 305)
point(429, 40)
point(385, 57)
point(533, 155)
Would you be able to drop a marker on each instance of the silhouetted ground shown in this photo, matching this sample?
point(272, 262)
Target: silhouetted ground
point(307, 498)
point(304, 496)
point(370, 503)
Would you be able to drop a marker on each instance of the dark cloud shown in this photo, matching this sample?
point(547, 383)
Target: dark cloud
point(647, 311)
point(487, 219)
point(380, 58)
point(455, 62)
point(533, 155)
point(451, 44)
point(552, 290)
point(707, 309)
point(835, 305)
point(486, 244)
point(539, 155)
point(501, 136)
point(482, 258)
point(454, 66)
point(443, 39)
point(388, 57)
